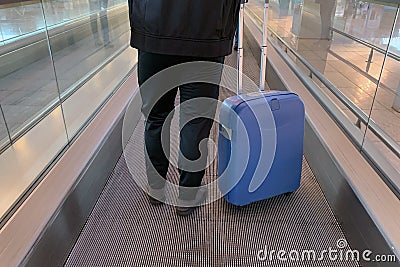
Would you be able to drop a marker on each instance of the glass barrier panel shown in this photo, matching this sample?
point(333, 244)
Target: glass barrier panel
point(20, 18)
point(368, 21)
point(91, 56)
point(24, 161)
point(346, 41)
point(58, 12)
point(83, 46)
point(336, 39)
point(386, 106)
point(77, 51)
point(27, 82)
point(80, 106)
point(28, 92)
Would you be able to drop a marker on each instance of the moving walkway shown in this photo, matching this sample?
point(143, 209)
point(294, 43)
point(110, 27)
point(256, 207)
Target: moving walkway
point(103, 218)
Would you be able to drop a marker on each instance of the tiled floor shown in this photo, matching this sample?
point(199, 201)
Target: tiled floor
point(343, 62)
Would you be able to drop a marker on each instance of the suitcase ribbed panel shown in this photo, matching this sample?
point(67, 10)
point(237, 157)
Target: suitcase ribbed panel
point(125, 230)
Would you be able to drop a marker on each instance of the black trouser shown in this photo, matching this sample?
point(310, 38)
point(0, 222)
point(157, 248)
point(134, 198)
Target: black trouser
point(191, 133)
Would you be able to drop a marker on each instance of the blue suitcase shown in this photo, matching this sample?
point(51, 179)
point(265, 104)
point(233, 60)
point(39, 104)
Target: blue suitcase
point(260, 145)
point(260, 153)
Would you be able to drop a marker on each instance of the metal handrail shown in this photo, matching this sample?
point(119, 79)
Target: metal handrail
point(383, 136)
point(6, 2)
point(365, 43)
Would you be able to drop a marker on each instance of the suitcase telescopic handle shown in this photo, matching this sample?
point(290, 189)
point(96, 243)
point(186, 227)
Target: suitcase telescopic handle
point(240, 48)
point(263, 65)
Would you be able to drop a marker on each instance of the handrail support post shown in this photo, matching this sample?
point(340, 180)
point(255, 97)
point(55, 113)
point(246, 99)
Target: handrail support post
point(358, 123)
point(369, 61)
point(396, 102)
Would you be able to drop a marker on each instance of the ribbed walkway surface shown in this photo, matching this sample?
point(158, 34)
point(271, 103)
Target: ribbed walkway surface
point(125, 230)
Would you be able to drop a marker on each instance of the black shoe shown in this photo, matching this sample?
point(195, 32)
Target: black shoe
point(109, 45)
point(186, 207)
point(156, 196)
point(184, 211)
point(154, 201)
point(97, 43)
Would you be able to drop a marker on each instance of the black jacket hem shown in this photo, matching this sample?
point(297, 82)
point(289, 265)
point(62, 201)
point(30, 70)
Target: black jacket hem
point(181, 47)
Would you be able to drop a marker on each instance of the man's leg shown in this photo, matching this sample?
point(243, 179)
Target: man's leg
point(104, 22)
point(155, 118)
point(196, 120)
point(94, 9)
point(191, 134)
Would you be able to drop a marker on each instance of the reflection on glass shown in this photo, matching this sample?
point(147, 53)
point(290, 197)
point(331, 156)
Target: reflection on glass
point(98, 8)
point(368, 21)
point(326, 8)
point(306, 27)
point(84, 35)
point(21, 164)
point(83, 46)
point(386, 113)
point(335, 37)
point(386, 106)
point(27, 81)
point(44, 50)
point(283, 7)
point(68, 10)
point(63, 11)
point(80, 106)
point(346, 41)
point(20, 18)
point(82, 50)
